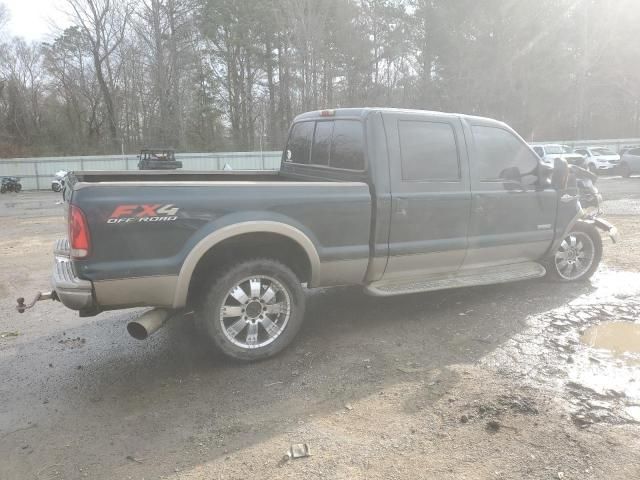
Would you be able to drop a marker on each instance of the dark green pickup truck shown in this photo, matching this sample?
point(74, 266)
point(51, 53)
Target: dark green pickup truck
point(398, 201)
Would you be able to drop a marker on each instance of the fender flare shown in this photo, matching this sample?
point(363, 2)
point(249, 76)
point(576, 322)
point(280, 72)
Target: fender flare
point(229, 231)
point(578, 217)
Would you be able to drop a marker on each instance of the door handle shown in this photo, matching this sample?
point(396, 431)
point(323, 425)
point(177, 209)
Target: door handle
point(401, 206)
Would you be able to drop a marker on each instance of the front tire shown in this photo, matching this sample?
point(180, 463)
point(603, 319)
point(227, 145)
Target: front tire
point(253, 310)
point(593, 169)
point(578, 256)
point(18, 187)
point(55, 187)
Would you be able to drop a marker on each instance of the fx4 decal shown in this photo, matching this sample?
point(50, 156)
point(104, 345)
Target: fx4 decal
point(144, 213)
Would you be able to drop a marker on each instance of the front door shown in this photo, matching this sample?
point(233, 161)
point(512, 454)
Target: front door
point(430, 194)
point(512, 218)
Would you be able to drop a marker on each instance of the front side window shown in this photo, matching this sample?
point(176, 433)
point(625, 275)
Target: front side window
point(429, 151)
point(500, 155)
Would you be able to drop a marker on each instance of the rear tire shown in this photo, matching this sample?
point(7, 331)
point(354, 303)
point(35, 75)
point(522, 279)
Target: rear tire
point(625, 170)
point(253, 310)
point(55, 187)
point(578, 255)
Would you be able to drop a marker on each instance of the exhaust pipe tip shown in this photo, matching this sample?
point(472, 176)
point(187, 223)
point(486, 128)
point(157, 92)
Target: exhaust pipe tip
point(147, 324)
point(137, 331)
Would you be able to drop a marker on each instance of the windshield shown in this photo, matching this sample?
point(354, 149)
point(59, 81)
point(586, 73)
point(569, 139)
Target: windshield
point(554, 150)
point(602, 151)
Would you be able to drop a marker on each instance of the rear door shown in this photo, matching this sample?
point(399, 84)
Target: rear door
point(512, 219)
point(430, 194)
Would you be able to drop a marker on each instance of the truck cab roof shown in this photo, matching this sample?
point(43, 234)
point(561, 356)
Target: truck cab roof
point(363, 112)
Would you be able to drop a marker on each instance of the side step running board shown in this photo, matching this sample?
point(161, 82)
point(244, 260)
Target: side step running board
point(463, 278)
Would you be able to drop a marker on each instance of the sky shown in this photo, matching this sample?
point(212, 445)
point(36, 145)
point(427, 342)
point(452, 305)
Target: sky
point(34, 20)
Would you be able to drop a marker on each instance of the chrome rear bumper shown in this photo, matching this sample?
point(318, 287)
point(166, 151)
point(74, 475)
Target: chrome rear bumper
point(73, 292)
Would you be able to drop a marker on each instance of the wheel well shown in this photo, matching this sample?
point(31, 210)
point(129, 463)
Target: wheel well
point(245, 247)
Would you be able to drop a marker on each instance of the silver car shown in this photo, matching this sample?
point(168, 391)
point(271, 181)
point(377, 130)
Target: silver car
point(630, 162)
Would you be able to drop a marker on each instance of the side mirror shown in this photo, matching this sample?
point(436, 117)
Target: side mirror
point(512, 174)
point(560, 175)
point(512, 178)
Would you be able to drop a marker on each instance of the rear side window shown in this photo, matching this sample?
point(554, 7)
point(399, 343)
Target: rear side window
point(429, 151)
point(635, 152)
point(500, 155)
point(333, 143)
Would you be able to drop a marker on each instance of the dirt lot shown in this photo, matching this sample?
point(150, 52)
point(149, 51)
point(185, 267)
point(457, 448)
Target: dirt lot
point(486, 382)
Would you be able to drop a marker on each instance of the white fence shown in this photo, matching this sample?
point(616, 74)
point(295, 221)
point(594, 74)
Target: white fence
point(37, 173)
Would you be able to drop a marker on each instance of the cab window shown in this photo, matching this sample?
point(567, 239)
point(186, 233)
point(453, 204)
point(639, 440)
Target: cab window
point(299, 146)
point(335, 144)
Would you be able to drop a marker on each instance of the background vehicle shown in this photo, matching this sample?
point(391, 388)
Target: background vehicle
point(57, 184)
point(548, 154)
point(158, 159)
point(397, 201)
point(630, 162)
point(626, 148)
point(599, 159)
point(10, 184)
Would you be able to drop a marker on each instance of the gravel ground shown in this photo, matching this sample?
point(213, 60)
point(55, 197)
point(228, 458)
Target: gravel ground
point(486, 382)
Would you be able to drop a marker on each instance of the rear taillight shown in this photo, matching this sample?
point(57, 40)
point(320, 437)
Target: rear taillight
point(79, 239)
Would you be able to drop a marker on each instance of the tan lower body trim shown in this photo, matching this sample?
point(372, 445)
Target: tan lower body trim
point(131, 292)
point(342, 272)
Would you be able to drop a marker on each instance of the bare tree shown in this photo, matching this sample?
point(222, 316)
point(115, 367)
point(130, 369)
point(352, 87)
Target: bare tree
point(104, 24)
point(221, 74)
point(4, 17)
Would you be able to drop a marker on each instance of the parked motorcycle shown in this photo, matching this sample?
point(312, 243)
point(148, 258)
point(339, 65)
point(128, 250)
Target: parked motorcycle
point(57, 184)
point(10, 184)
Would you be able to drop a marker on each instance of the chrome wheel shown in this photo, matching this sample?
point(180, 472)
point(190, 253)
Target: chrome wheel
point(575, 256)
point(255, 312)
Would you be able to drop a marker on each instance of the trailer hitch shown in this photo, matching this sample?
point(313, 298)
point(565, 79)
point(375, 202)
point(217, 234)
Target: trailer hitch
point(21, 306)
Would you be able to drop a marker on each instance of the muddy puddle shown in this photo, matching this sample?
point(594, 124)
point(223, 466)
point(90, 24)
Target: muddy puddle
point(587, 352)
point(619, 338)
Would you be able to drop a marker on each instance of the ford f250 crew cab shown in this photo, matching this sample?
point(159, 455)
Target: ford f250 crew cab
point(398, 201)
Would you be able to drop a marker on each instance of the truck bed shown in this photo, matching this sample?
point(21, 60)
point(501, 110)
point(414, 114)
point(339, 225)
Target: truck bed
point(145, 224)
point(289, 173)
point(99, 176)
